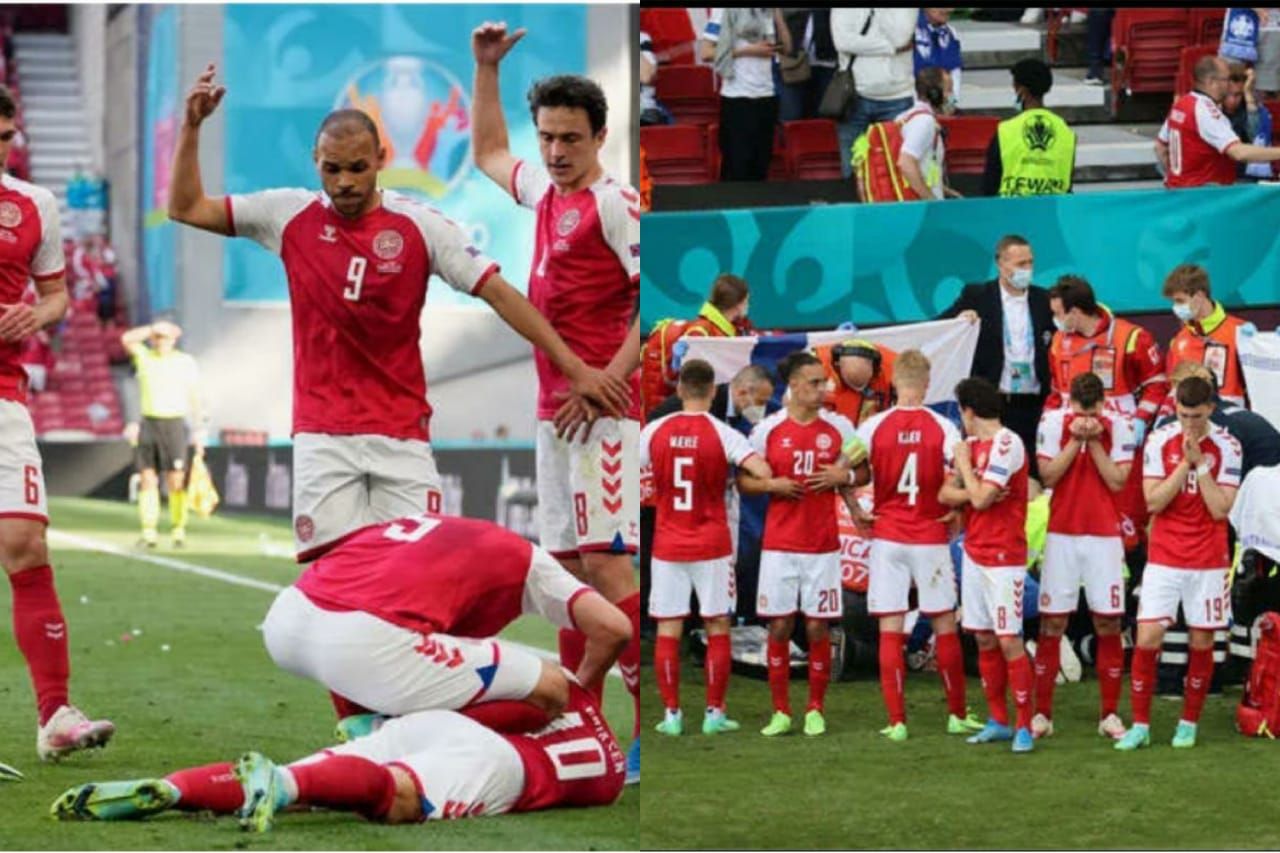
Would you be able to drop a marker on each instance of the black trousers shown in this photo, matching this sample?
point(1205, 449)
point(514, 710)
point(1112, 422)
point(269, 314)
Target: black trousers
point(746, 137)
point(1022, 415)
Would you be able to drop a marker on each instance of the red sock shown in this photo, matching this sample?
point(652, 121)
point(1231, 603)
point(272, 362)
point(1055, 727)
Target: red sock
point(348, 783)
point(992, 667)
point(1021, 680)
point(629, 660)
point(780, 674)
point(819, 672)
point(893, 671)
point(509, 716)
point(1142, 683)
point(719, 662)
point(951, 669)
point(573, 648)
point(345, 707)
point(666, 666)
point(41, 633)
point(1110, 665)
point(212, 787)
point(1196, 685)
point(1048, 662)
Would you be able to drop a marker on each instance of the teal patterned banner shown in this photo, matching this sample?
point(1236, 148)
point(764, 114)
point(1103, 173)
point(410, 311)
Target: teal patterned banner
point(818, 266)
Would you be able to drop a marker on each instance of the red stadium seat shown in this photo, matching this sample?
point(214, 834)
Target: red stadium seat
point(812, 149)
point(779, 168)
point(678, 154)
point(1146, 44)
point(690, 92)
point(1187, 59)
point(1273, 107)
point(967, 140)
point(1205, 25)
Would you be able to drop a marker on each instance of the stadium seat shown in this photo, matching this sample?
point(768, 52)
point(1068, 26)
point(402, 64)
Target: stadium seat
point(667, 27)
point(1145, 46)
point(678, 154)
point(1187, 59)
point(966, 141)
point(1205, 25)
point(1273, 107)
point(689, 92)
point(779, 169)
point(812, 149)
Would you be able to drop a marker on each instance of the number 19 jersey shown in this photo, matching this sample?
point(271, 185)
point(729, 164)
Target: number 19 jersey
point(909, 449)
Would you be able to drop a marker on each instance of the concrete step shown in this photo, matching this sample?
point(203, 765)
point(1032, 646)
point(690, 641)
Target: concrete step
point(1115, 152)
point(35, 115)
point(53, 103)
point(988, 44)
point(25, 39)
point(45, 55)
point(1116, 186)
point(991, 91)
point(43, 73)
point(36, 89)
point(64, 146)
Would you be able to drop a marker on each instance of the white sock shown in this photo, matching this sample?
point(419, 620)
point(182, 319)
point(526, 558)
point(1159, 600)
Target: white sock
point(289, 783)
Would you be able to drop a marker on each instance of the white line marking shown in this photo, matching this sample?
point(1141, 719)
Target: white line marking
point(170, 563)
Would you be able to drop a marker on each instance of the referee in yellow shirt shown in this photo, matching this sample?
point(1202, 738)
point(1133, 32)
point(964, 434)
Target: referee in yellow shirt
point(169, 383)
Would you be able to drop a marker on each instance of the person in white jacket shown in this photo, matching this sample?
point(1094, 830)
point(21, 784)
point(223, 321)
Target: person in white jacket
point(880, 44)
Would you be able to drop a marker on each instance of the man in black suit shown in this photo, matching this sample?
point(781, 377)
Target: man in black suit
point(1013, 343)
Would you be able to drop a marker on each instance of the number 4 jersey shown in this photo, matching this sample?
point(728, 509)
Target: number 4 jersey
point(909, 450)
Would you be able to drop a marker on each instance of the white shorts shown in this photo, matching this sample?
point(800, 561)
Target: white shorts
point(21, 472)
point(1205, 595)
point(813, 580)
point(389, 669)
point(589, 492)
point(895, 566)
point(1069, 561)
point(992, 597)
point(712, 580)
point(462, 768)
point(342, 483)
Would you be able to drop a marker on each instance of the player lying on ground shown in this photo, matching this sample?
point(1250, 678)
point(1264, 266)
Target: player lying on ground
point(401, 617)
point(429, 765)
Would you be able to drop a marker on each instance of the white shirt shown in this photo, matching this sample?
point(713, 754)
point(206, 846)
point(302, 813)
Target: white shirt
point(1019, 342)
point(752, 75)
point(921, 139)
point(648, 93)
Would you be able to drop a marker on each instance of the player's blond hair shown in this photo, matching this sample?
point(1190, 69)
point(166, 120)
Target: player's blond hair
point(1186, 368)
point(911, 369)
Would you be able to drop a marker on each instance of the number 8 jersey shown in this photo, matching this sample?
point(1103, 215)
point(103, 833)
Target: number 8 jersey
point(909, 449)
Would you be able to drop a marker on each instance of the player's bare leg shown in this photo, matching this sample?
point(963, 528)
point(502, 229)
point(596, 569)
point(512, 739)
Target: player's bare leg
point(177, 482)
point(818, 632)
point(779, 661)
point(893, 673)
point(950, 659)
point(41, 634)
point(1109, 661)
point(1142, 683)
point(1047, 663)
point(719, 661)
point(149, 505)
point(666, 668)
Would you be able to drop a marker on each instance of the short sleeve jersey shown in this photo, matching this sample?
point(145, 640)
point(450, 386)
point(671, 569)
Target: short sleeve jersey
point(30, 248)
point(165, 382)
point(921, 139)
point(997, 535)
point(690, 455)
point(1082, 504)
point(909, 450)
point(1198, 136)
point(585, 277)
point(792, 449)
point(1183, 534)
point(456, 575)
point(356, 289)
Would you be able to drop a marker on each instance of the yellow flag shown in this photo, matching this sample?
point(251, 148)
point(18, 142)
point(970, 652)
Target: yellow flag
point(201, 494)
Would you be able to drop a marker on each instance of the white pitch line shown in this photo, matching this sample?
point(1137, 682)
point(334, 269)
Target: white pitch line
point(226, 577)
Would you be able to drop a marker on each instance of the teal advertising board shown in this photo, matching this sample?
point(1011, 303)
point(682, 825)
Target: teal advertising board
point(818, 266)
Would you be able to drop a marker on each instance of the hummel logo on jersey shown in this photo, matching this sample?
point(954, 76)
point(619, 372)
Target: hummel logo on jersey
point(329, 235)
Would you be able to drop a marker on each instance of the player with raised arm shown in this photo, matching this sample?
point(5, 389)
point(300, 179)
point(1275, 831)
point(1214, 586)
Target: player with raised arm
point(691, 456)
point(992, 469)
point(31, 249)
point(800, 549)
point(358, 260)
point(585, 277)
point(1191, 472)
point(1085, 452)
point(909, 448)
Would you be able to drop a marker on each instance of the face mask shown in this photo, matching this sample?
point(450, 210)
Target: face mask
point(951, 104)
point(1020, 278)
point(1017, 103)
point(1182, 311)
point(753, 414)
point(1061, 326)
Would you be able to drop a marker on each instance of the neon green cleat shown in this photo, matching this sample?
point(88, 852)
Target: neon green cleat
point(715, 723)
point(264, 793)
point(968, 725)
point(358, 725)
point(1184, 737)
point(672, 724)
point(779, 724)
point(896, 732)
point(814, 723)
point(127, 800)
point(1139, 735)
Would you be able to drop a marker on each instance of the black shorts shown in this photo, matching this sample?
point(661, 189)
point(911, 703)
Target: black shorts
point(162, 445)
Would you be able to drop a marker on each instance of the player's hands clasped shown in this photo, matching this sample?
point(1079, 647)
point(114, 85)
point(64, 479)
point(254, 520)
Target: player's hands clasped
point(490, 42)
point(1191, 450)
point(785, 487)
point(604, 389)
point(17, 322)
point(204, 97)
point(830, 477)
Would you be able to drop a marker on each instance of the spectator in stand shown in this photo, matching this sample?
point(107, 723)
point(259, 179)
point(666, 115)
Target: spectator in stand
point(938, 45)
point(651, 110)
point(1249, 119)
point(810, 34)
point(922, 158)
point(742, 43)
point(1208, 334)
point(1033, 153)
point(1098, 44)
point(879, 43)
point(1196, 144)
point(107, 281)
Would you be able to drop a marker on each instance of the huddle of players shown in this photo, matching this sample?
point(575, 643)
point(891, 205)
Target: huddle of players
point(925, 478)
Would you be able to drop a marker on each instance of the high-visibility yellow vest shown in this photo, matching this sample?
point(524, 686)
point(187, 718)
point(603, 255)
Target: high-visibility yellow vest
point(1037, 154)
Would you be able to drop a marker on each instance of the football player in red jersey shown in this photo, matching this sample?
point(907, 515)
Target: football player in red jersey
point(1085, 454)
point(1191, 472)
point(31, 249)
point(358, 260)
point(992, 468)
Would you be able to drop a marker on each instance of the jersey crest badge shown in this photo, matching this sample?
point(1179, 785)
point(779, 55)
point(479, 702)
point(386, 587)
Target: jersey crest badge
point(388, 244)
point(823, 441)
point(568, 221)
point(10, 214)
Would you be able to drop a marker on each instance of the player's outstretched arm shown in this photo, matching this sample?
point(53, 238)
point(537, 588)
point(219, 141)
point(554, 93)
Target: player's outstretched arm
point(608, 631)
point(187, 202)
point(489, 144)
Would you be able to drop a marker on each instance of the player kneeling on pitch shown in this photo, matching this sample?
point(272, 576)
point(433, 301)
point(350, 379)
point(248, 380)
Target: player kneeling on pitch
point(1191, 470)
point(402, 616)
point(429, 765)
point(691, 454)
point(1085, 456)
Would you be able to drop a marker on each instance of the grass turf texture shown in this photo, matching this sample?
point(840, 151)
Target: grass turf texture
point(852, 788)
point(213, 695)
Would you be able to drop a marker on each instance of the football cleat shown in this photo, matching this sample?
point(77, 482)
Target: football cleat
point(1023, 741)
point(127, 800)
point(264, 792)
point(1137, 736)
point(715, 722)
point(991, 733)
point(633, 763)
point(1184, 737)
point(672, 724)
point(1111, 726)
point(968, 725)
point(148, 540)
point(1041, 726)
point(897, 732)
point(779, 724)
point(358, 725)
point(179, 537)
point(10, 774)
point(814, 723)
point(68, 730)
